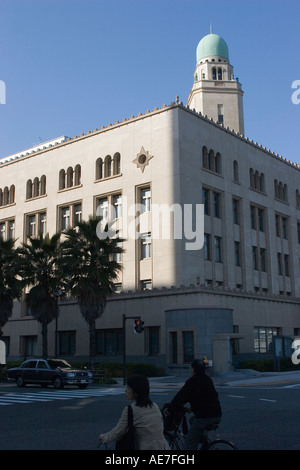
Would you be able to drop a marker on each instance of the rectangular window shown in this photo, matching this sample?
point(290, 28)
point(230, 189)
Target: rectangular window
point(279, 263)
point(77, 214)
point(205, 201)
point(31, 226)
point(237, 260)
point(65, 218)
point(146, 199)
point(146, 245)
point(263, 337)
point(254, 257)
point(277, 225)
point(217, 246)
point(2, 231)
point(263, 265)
point(286, 265)
point(188, 346)
point(253, 217)
point(261, 220)
point(153, 339)
point(216, 204)
point(207, 247)
point(235, 209)
point(102, 208)
point(28, 346)
point(67, 343)
point(42, 223)
point(117, 204)
point(109, 342)
point(146, 285)
point(284, 228)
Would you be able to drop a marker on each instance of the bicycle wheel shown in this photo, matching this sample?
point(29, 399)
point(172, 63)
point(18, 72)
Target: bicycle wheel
point(220, 444)
point(176, 442)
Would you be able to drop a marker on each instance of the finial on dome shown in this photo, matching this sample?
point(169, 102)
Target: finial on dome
point(211, 28)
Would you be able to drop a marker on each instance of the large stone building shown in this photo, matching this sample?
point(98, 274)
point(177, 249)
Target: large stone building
point(230, 295)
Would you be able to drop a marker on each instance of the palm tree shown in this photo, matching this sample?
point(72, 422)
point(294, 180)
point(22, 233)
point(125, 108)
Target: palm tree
point(10, 281)
point(93, 268)
point(42, 274)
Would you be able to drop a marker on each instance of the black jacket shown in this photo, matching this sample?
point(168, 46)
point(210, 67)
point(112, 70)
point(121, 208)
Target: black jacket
point(199, 391)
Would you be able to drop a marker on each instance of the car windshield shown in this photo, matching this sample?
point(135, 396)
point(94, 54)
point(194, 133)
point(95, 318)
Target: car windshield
point(55, 363)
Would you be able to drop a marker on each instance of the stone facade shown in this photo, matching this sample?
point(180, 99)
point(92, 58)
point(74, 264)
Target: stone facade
point(172, 156)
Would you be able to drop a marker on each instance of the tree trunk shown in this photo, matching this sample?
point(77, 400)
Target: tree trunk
point(45, 340)
point(92, 330)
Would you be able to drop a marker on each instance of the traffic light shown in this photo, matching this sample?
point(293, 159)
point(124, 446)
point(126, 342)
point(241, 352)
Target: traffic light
point(138, 326)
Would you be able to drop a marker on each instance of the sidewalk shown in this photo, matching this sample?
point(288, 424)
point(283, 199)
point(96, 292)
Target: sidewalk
point(239, 377)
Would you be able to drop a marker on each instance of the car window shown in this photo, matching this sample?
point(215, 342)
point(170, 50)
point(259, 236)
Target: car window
point(58, 363)
point(30, 365)
point(42, 365)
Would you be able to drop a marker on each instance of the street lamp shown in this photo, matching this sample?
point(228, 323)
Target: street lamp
point(57, 294)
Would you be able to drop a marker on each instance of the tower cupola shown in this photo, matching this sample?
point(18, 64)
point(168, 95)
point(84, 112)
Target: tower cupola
point(215, 92)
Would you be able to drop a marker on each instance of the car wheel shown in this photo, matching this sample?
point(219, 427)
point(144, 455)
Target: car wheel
point(57, 383)
point(82, 386)
point(20, 381)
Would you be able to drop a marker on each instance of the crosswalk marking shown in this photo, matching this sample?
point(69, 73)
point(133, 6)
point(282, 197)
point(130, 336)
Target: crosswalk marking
point(44, 396)
point(51, 395)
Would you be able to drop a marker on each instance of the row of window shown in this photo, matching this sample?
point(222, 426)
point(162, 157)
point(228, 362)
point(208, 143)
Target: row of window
point(212, 161)
point(109, 342)
point(71, 177)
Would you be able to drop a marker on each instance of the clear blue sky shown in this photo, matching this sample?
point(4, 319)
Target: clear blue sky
point(74, 65)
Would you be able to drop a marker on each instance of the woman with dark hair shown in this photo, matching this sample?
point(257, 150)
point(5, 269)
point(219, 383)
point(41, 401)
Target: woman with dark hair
point(147, 418)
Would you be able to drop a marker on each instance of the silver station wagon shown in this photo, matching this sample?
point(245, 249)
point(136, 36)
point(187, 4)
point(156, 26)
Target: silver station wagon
point(44, 372)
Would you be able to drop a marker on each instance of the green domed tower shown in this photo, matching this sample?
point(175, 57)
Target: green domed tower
point(215, 92)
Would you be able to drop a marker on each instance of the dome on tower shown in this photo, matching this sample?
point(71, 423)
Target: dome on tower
point(212, 45)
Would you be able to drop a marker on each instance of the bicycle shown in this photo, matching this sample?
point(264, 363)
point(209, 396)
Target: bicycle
point(175, 427)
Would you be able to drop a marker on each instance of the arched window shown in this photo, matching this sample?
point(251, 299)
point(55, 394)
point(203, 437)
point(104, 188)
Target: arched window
point(36, 188)
point(29, 189)
point(12, 194)
point(262, 183)
point(214, 73)
point(211, 160)
point(117, 163)
point(43, 185)
point(99, 169)
point(218, 163)
point(205, 157)
point(280, 190)
point(77, 175)
point(235, 171)
point(107, 166)
point(69, 177)
point(5, 196)
point(62, 179)
point(220, 75)
point(256, 180)
point(1, 197)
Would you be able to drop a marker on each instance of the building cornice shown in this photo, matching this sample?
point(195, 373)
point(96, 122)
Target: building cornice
point(69, 140)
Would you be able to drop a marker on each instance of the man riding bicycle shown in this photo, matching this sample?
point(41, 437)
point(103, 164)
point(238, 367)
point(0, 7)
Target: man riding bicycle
point(199, 391)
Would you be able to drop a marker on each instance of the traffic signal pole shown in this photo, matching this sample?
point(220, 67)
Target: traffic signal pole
point(124, 343)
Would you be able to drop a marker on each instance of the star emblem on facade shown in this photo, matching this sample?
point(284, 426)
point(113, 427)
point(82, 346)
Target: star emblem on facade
point(142, 159)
